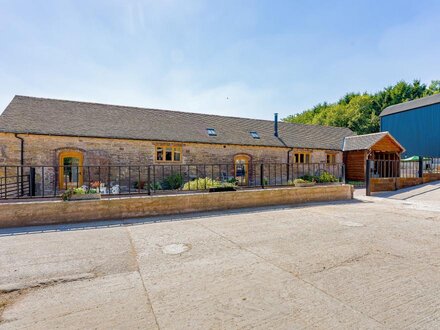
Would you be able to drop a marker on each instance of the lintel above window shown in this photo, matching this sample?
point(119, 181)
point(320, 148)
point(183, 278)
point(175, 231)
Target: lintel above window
point(255, 135)
point(211, 132)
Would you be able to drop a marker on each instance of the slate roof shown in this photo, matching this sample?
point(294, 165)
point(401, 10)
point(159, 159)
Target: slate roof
point(366, 141)
point(405, 106)
point(71, 118)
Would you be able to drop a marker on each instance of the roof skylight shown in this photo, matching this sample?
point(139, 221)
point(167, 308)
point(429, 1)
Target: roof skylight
point(211, 132)
point(255, 135)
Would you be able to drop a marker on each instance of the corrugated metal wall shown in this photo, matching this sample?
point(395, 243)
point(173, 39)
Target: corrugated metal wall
point(418, 130)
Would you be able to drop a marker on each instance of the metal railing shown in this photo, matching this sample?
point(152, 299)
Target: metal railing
point(416, 168)
point(405, 169)
point(52, 181)
point(14, 186)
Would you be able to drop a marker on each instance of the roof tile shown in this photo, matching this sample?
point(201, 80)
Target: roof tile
point(71, 118)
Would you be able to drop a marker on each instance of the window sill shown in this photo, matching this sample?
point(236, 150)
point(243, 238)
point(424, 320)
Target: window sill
point(167, 162)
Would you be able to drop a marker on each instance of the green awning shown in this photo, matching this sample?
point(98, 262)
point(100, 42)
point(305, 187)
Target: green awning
point(414, 159)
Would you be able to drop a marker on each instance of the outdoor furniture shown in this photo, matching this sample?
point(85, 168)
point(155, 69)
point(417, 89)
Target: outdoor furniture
point(115, 189)
point(103, 189)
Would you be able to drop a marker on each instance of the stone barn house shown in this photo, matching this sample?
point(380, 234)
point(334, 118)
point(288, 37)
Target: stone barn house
point(60, 134)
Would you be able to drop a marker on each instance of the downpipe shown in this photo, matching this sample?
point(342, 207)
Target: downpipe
point(21, 161)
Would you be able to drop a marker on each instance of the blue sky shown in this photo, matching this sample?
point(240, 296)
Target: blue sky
point(240, 58)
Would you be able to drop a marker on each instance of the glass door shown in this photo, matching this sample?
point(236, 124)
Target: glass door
point(241, 169)
point(71, 175)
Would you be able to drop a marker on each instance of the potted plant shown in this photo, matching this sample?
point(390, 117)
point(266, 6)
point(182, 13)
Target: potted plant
point(80, 194)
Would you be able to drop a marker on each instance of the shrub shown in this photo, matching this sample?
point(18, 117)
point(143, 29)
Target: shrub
point(143, 185)
point(309, 178)
point(76, 191)
point(232, 180)
point(67, 194)
point(155, 186)
point(173, 181)
point(322, 178)
point(298, 181)
point(79, 191)
point(327, 177)
point(139, 184)
point(205, 183)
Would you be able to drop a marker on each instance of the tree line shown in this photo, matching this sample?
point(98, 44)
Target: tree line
point(360, 111)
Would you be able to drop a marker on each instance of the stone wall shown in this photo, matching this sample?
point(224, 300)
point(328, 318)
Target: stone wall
point(108, 154)
point(52, 212)
point(9, 149)
point(44, 150)
point(391, 184)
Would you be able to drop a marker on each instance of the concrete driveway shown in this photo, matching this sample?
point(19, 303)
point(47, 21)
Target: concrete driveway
point(369, 263)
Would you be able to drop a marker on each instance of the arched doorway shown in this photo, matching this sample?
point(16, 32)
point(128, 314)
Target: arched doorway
point(70, 169)
point(241, 169)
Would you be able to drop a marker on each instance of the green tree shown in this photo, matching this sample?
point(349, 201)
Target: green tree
point(360, 112)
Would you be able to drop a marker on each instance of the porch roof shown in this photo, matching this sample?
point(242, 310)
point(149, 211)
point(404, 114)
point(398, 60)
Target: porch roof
point(367, 141)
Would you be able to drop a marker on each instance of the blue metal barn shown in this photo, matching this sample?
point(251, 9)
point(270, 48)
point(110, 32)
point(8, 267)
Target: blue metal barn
point(415, 124)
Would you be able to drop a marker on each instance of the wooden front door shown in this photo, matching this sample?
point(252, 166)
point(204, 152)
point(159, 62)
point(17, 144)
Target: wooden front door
point(70, 169)
point(241, 163)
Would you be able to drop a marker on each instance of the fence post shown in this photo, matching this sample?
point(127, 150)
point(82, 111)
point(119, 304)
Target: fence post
point(367, 178)
point(149, 179)
point(262, 175)
point(32, 181)
point(55, 185)
point(343, 173)
point(420, 167)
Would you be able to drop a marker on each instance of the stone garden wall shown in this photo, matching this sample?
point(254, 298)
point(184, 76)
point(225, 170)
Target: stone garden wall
point(54, 212)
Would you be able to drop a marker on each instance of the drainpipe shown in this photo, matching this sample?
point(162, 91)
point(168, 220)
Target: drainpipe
point(21, 161)
point(21, 149)
point(276, 134)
